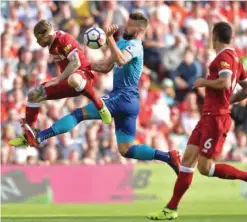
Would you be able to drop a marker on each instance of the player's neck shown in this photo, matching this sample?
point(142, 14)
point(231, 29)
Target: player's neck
point(221, 46)
point(53, 36)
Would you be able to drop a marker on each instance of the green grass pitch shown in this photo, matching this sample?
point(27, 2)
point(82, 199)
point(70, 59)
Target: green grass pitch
point(211, 211)
point(208, 200)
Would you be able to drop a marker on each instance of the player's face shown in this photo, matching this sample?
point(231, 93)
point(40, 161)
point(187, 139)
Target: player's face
point(43, 41)
point(131, 30)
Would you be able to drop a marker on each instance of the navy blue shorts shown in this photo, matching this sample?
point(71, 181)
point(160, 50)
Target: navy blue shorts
point(124, 109)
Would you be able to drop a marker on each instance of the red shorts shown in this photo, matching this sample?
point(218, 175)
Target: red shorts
point(210, 134)
point(64, 90)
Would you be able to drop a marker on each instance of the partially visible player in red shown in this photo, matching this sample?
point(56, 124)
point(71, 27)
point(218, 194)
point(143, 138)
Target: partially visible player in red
point(206, 141)
point(76, 76)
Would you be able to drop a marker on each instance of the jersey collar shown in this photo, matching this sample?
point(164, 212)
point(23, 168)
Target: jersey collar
point(229, 48)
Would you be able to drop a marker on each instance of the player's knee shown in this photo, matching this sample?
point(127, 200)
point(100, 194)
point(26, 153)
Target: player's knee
point(76, 81)
point(203, 169)
point(32, 96)
point(123, 149)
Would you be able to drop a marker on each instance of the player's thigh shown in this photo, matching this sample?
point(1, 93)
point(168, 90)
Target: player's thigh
point(60, 91)
point(125, 128)
point(213, 135)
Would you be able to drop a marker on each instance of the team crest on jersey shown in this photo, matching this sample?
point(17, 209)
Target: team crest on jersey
point(224, 65)
point(67, 48)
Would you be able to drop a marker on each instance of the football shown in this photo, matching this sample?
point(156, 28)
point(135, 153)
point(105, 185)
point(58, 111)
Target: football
point(95, 38)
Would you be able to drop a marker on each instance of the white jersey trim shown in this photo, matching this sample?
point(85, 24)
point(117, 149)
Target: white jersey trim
point(186, 169)
point(72, 52)
point(225, 71)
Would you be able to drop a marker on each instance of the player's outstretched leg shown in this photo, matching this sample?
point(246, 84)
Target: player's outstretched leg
point(35, 96)
point(207, 167)
point(141, 151)
point(85, 86)
point(67, 123)
point(181, 186)
point(145, 152)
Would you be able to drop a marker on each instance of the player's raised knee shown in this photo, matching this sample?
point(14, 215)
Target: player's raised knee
point(76, 81)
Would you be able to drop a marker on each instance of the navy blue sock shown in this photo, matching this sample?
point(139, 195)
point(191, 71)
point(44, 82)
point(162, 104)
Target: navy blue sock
point(145, 152)
point(162, 156)
point(61, 126)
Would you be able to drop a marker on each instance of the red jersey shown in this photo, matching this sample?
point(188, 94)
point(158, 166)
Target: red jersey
point(218, 101)
point(62, 47)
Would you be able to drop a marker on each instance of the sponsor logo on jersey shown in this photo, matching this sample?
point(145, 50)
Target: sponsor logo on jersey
point(67, 48)
point(224, 65)
point(58, 58)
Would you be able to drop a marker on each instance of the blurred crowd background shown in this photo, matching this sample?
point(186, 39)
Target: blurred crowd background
point(177, 51)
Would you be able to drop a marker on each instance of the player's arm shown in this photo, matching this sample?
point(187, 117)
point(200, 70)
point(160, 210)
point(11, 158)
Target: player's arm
point(73, 65)
point(103, 66)
point(120, 57)
point(242, 94)
point(223, 82)
point(238, 96)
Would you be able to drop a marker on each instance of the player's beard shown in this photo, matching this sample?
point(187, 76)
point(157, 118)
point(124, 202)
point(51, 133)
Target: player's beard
point(128, 36)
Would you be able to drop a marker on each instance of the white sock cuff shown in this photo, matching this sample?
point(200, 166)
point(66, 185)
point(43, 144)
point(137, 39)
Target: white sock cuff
point(81, 86)
point(33, 105)
point(212, 169)
point(186, 169)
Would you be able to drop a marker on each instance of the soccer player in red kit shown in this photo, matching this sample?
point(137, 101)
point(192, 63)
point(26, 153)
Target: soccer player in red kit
point(208, 137)
point(76, 76)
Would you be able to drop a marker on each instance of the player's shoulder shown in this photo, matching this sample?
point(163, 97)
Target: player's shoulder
point(226, 54)
point(61, 35)
point(136, 42)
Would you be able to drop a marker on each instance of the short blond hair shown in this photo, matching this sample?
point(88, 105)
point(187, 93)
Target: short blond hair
point(43, 27)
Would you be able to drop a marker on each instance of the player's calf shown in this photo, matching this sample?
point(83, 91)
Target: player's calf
point(207, 167)
point(145, 152)
point(204, 165)
point(35, 96)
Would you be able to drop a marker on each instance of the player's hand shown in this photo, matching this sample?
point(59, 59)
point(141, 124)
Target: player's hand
point(52, 82)
point(198, 83)
point(111, 30)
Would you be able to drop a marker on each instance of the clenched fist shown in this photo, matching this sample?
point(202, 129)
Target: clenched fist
point(111, 30)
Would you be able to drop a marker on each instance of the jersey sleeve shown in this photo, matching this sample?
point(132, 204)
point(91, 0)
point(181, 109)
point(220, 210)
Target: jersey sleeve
point(134, 49)
point(68, 44)
point(224, 64)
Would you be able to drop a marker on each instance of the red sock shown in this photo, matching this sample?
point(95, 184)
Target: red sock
point(181, 186)
point(89, 92)
point(32, 112)
point(225, 171)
